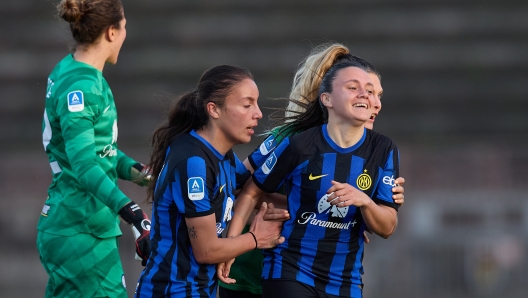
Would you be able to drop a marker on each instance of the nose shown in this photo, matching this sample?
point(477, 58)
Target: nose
point(258, 113)
point(377, 103)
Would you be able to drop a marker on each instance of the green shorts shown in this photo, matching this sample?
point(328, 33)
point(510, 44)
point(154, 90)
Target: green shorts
point(81, 266)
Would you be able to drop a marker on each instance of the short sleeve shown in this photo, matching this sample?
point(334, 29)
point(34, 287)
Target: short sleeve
point(386, 179)
point(193, 187)
point(257, 158)
point(277, 167)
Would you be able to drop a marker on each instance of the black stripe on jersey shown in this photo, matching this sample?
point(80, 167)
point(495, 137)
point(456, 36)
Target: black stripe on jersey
point(160, 289)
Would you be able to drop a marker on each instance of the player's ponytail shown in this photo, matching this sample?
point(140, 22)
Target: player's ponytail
point(314, 76)
point(308, 77)
point(190, 112)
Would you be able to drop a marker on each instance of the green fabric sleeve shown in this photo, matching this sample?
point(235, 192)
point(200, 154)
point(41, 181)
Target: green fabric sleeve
point(124, 165)
point(79, 141)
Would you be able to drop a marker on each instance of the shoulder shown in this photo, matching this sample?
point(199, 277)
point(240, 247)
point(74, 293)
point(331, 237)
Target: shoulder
point(306, 139)
point(376, 139)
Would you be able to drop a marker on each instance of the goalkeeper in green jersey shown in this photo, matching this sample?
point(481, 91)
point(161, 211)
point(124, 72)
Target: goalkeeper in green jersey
point(79, 223)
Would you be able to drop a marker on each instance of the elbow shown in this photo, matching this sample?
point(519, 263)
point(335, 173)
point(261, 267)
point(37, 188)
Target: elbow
point(385, 234)
point(204, 258)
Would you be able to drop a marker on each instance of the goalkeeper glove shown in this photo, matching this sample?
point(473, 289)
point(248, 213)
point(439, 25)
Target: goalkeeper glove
point(141, 174)
point(132, 214)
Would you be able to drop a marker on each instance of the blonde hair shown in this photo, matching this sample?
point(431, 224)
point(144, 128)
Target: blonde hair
point(307, 79)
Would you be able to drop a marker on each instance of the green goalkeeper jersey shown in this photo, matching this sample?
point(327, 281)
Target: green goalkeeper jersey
point(79, 132)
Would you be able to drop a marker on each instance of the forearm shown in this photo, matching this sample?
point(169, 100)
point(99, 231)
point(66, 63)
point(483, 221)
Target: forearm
point(81, 153)
point(380, 219)
point(224, 249)
point(124, 166)
point(244, 205)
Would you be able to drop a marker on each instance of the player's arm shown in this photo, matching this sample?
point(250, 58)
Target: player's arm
point(209, 249)
point(79, 141)
point(380, 219)
point(131, 170)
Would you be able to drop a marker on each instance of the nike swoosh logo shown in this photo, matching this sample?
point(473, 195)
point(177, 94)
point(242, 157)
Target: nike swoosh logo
point(106, 109)
point(221, 187)
point(311, 177)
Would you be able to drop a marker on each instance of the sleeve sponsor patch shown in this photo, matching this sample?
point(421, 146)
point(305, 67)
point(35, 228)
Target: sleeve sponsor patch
point(267, 146)
point(75, 101)
point(269, 164)
point(195, 188)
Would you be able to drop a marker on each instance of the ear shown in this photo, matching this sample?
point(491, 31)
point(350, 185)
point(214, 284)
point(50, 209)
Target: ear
point(213, 110)
point(110, 34)
point(326, 100)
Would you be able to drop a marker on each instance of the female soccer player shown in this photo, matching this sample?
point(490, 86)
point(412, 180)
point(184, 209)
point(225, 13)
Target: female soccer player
point(337, 177)
point(246, 270)
point(197, 176)
point(79, 226)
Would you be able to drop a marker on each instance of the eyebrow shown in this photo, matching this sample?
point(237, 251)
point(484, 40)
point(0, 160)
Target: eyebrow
point(356, 81)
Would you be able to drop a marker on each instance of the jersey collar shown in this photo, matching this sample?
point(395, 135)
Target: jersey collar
point(218, 154)
point(340, 149)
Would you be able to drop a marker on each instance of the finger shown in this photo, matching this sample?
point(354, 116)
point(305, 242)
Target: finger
point(400, 181)
point(367, 240)
point(397, 189)
point(271, 206)
point(227, 280)
point(335, 187)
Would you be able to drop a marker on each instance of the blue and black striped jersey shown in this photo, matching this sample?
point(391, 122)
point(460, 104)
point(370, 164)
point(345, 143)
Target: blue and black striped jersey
point(324, 243)
point(196, 180)
point(258, 157)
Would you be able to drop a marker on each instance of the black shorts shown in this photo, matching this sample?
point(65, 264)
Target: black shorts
point(272, 288)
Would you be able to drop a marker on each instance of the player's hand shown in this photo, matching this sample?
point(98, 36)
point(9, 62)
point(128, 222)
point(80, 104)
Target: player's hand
point(141, 174)
point(344, 194)
point(267, 233)
point(276, 214)
point(132, 214)
point(398, 191)
point(222, 272)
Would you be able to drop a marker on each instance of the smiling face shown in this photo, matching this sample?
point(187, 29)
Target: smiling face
point(351, 100)
point(240, 113)
point(378, 92)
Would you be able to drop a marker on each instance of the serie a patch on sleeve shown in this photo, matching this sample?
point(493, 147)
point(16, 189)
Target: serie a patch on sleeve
point(195, 188)
point(75, 101)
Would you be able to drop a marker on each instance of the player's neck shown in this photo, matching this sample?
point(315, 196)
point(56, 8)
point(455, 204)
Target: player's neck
point(216, 138)
point(92, 56)
point(345, 136)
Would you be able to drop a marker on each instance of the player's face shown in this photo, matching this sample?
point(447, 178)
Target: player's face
point(241, 112)
point(119, 38)
point(378, 92)
point(352, 98)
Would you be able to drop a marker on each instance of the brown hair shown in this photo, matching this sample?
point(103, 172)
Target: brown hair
point(90, 18)
point(189, 112)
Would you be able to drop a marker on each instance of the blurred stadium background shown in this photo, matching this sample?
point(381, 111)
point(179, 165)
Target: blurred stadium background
point(456, 103)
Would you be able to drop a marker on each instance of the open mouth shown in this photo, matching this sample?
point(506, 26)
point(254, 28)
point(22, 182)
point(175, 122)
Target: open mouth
point(372, 117)
point(360, 105)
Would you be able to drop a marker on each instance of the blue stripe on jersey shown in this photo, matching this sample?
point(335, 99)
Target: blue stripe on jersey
point(196, 168)
point(386, 180)
point(259, 174)
point(336, 147)
point(260, 154)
